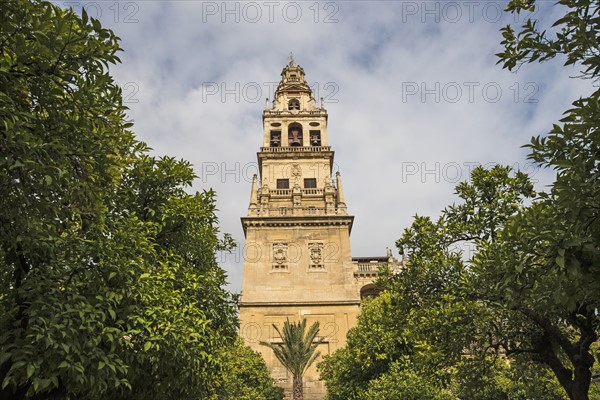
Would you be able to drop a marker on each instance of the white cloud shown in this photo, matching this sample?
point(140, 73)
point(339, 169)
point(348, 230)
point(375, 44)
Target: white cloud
point(376, 55)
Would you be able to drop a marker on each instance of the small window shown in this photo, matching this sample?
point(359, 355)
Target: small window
point(310, 183)
point(315, 138)
point(275, 139)
point(294, 104)
point(283, 183)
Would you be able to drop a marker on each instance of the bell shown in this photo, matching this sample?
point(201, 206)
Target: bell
point(295, 139)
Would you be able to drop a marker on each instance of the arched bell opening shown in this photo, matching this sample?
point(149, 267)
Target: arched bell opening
point(294, 104)
point(315, 138)
point(295, 134)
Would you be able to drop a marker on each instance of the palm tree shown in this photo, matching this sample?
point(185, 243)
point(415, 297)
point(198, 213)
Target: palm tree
point(297, 352)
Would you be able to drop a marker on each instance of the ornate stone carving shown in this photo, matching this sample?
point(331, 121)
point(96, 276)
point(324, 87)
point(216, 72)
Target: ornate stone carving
point(296, 172)
point(315, 251)
point(280, 255)
point(265, 186)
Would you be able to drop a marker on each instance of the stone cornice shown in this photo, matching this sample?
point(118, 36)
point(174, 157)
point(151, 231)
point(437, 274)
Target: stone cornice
point(332, 303)
point(289, 153)
point(319, 112)
point(284, 221)
point(326, 154)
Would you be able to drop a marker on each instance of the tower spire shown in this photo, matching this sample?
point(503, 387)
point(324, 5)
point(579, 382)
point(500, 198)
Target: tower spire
point(293, 87)
point(253, 196)
point(341, 202)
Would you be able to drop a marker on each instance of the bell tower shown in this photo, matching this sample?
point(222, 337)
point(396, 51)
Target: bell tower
point(295, 161)
point(297, 261)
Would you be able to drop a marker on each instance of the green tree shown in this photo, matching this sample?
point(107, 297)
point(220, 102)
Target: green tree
point(64, 141)
point(109, 286)
point(404, 383)
point(548, 259)
point(381, 358)
point(187, 319)
point(455, 312)
point(500, 314)
point(438, 318)
point(372, 346)
point(500, 378)
point(297, 352)
point(246, 376)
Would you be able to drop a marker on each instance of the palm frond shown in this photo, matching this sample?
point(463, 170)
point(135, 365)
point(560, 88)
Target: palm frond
point(299, 348)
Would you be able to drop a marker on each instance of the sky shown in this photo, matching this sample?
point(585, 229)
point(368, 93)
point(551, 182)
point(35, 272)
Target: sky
point(414, 96)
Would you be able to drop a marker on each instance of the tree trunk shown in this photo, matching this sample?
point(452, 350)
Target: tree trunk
point(576, 380)
point(581, 389)
point(297, 391)
point(582, 377)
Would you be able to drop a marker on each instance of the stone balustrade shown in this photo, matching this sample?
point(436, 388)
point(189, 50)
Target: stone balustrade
point(305, 192)
point(296, 211)
point(317, 112)
point(313, 192)
point(369, 267)
point(293, 149)
point(280, 192)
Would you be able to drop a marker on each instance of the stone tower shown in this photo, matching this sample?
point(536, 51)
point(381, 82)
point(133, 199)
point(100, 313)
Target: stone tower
point(298, 262)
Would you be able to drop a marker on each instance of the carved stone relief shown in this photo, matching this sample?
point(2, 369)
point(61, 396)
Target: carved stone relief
point(280, 256)
point(315, 251)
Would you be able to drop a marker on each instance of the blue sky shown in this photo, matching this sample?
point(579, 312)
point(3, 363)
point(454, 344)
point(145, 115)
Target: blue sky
point(414, 96)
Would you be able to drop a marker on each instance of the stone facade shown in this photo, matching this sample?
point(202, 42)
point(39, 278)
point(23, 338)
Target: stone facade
point(298, 262)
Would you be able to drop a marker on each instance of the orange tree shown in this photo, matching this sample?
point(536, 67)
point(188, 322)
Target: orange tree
point(109, 285)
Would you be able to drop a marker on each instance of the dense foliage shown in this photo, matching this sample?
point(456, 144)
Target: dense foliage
point(549, 254)
point(518, 316)
point(109, 286)
point(430, 334)
point(246, 376)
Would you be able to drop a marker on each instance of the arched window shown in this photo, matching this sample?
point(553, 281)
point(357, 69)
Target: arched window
point(369, 290)
point(294, 104)
point(295, 135)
